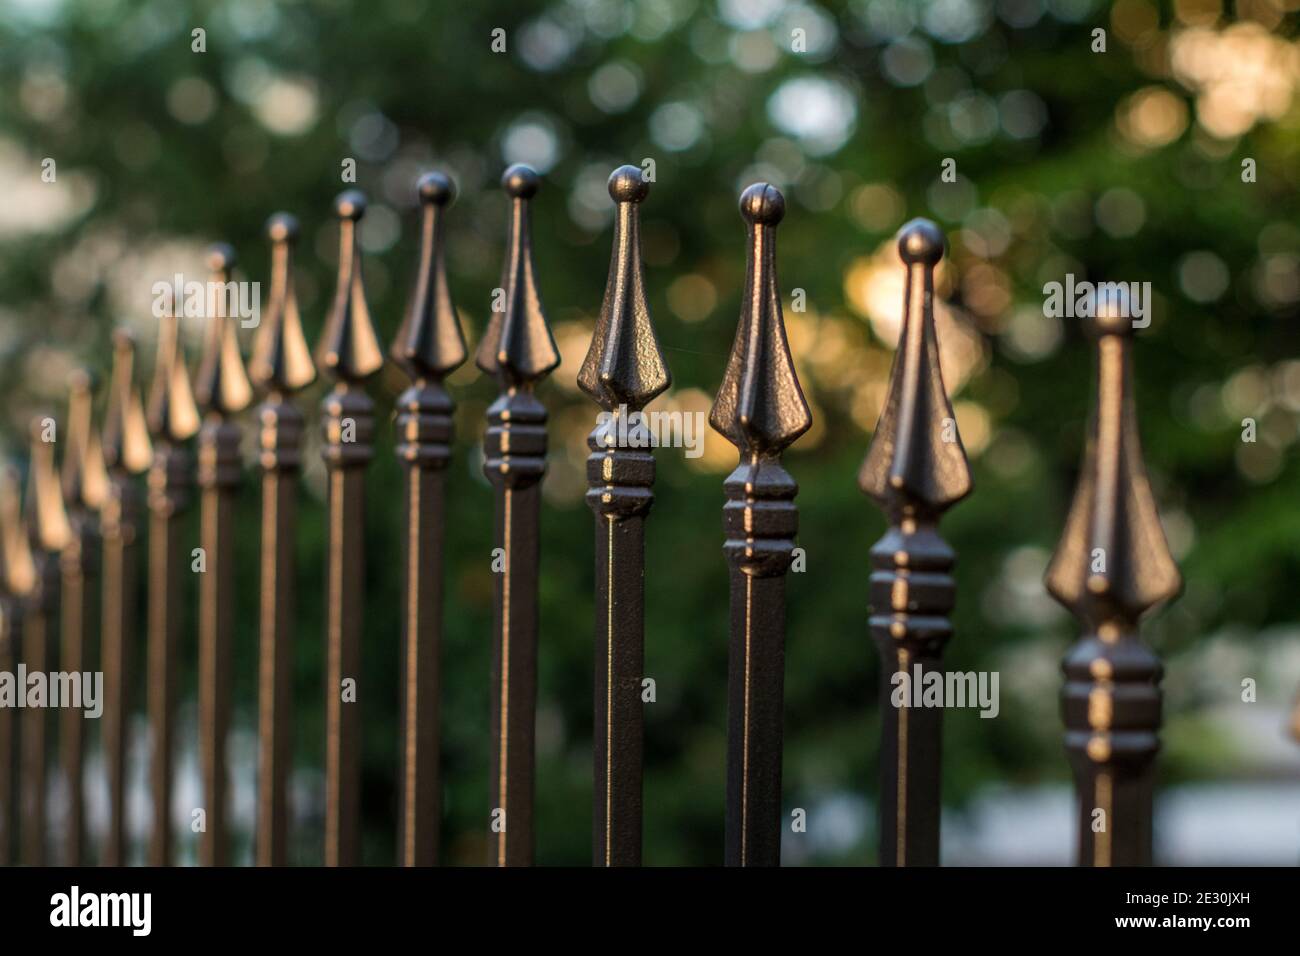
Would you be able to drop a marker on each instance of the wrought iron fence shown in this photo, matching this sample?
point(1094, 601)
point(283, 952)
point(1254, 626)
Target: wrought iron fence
point(81, 529)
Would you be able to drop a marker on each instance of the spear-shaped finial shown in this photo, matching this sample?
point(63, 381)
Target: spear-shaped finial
point(281, 359)
point(348, 349)
point(125, 434)
point(429, 344)
point(1112, 562)
point(1112, 565)
point(915, 469)
point(47, 520)
point(760, 407)
point(624, 365)
point(84, 480)
point(172, 414)
point(19, 566)
point(517, 345)
point(916, 458)
point(221, 385)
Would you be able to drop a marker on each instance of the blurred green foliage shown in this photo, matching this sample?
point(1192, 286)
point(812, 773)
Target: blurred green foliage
point(174, 145)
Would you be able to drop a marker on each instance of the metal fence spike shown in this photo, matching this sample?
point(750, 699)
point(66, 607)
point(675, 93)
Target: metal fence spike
point(1112, 565)
point(915, 469)
point(222, 389)
point(281, 365)
point(517, 345)
point(84, 486)
point(624, 365)
point(761, 406)
point(349, 353)
point(173, 419)
point(624, 369)
point(127, 452)
point(760, 409)
point(429, 343)
point(519, 350)
point(281, 359)
point(428, 346)
point(45, 525)
point(348, 349)
point(17, 574)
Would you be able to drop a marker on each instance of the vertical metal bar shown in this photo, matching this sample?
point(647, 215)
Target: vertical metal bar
point(10, 635)
point(47, 524)
point(760, 408)
point(915, 469)
point(83, 491)
point(428, 347)
point(349, 353)
point(173, 419)
point(281, 365)
point(17, 578)
point(623, 371)
point(222, 390)
point(127, 453)
point(8, 726)
point(518, 349)
point(1112, 565)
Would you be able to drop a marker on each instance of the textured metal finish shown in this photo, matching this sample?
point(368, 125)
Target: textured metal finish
point(915, 469)
point(173, 419)
point(349, 353)
point(1111, 565)
point(429, 346)
point(127, 453)
point(518, 350)
point(281, 365)
point(760, 408)
point(222, 390)
point(623, 371)
point(84, 484)
point(47, 525)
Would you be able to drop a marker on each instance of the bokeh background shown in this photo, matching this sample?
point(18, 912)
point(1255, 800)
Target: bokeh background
point(1121, 165)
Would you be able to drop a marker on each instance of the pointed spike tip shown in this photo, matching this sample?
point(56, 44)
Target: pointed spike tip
point(435, 189)
point(282, 227)
point(221, 257)
point(921, 241)
point(520, 181)
point(626, 184)
point(350, 204)
point(762, 205)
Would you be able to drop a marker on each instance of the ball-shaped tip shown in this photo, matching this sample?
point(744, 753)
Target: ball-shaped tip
point(1113, 315)
point(221, 257)
point(762, 205)
point(282, 227)
point(350, 205)
point(920, 241)
point(520, 181)
point(435, 189)
point(627, 185)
